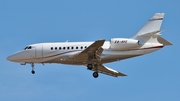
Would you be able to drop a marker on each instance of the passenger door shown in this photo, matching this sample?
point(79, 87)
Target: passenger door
point(39, 52)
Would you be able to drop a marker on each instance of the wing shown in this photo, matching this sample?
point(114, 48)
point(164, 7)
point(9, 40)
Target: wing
point(108, 71)
point(94, 48)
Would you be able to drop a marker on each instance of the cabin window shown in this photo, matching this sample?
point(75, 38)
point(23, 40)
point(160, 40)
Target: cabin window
point(64, 47)
point(51, 48)
point(81, 47)
point(59, 48)
point(76, 47)
point(67, 47)
point(55, 48)
point(72, 47)
point(85, 47)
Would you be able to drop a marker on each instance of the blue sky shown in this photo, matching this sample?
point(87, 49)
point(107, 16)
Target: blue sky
point(151, 77)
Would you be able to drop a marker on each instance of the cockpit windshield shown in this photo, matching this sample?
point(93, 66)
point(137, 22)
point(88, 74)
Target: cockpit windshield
point(28, 47)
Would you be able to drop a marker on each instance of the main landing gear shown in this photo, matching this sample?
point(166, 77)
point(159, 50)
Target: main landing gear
point(33, 71)
point(91, 67)
point(95, 74)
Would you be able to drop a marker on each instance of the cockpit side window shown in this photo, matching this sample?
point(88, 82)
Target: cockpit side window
point(28, 47)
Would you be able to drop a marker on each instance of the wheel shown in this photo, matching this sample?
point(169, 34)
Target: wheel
point(33, 72)
point(90, 66)
point(95, 74)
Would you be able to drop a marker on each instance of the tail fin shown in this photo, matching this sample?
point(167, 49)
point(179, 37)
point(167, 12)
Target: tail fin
point(150, 32)
point(152, 25)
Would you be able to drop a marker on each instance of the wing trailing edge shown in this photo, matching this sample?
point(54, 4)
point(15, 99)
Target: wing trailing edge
point(108, 71)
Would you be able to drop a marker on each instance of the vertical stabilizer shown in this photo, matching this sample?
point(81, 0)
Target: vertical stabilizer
point(150, 32)
point(152, 25)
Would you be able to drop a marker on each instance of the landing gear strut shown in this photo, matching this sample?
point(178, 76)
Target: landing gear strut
point(32, 65)
point(93, 65)
point(95, 74)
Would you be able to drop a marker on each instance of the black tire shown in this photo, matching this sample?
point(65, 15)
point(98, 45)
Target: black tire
point(33, 72)
point(95, 74)
point(90, 66)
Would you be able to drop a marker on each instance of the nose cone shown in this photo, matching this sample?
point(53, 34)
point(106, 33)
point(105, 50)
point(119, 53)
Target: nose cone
point(15, 57)
point(11, 58)
point(21, 56)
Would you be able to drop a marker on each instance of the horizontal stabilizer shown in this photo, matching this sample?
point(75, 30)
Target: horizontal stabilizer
point(163, 41)
point(156, 36)
point(151, 33)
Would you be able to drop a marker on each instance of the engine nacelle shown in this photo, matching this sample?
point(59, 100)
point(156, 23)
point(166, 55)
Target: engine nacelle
point(123, 43)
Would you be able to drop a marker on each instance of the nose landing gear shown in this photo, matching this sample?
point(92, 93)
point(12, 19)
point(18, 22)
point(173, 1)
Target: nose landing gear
point(33, 71)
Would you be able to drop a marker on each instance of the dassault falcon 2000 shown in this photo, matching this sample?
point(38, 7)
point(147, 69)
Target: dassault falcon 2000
point(94, 55)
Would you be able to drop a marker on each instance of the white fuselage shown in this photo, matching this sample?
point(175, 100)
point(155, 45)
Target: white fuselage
point(60, 51)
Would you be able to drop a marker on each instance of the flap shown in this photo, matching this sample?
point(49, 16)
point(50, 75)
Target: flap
point(108, 71)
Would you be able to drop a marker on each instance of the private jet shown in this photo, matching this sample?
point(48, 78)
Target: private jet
point(94, 55)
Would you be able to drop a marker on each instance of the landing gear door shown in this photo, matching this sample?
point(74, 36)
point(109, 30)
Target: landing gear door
point(39, 52)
